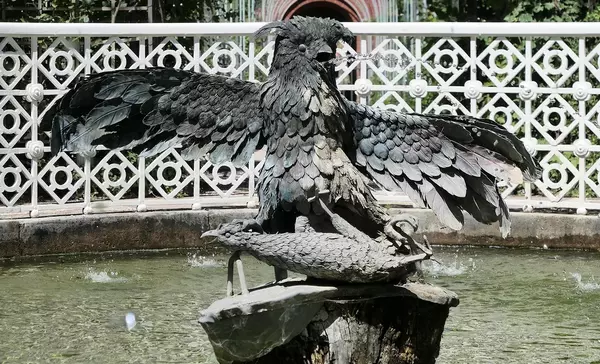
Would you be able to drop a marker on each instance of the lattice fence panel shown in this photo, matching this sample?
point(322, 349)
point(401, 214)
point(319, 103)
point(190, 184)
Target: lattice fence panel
point(544, 88)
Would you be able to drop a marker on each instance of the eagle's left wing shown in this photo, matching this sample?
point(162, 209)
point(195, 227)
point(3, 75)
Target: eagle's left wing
point(447, 163)
point(150, 110)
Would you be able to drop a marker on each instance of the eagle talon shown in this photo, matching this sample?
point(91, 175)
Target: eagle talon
point(248, 225)
point(396, 229)
point(234, 227)
point(416, 258)
point(318, 195)
point(405, 219)
point(429, 249)
point(402, 235)
point(424, 249)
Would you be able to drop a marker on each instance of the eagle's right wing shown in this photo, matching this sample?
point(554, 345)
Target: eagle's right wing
point(151, 110)
point(445, 162)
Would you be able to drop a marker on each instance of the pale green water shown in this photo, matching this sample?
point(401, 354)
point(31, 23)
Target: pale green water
point(516, 307)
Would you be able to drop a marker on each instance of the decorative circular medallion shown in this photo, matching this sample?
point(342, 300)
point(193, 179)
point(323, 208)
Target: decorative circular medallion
point(527, 90)
point(418, 88)
point(363, 86)
point(35, 149)
point(473, 89)
point(35, 92)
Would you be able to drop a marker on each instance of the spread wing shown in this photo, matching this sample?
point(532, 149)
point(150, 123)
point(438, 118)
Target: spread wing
point(447, 163)
point(151, 110)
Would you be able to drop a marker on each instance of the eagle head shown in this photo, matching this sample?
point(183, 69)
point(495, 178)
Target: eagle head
point(315, 39)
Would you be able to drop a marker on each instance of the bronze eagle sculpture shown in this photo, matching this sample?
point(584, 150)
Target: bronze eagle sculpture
point(315, 138)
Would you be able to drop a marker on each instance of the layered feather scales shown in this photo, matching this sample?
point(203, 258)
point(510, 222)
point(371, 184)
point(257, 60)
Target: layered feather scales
point(152, 110)
point(306, 132)
point(448, 163)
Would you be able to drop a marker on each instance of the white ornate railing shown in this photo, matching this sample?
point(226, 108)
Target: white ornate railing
point(541, 80)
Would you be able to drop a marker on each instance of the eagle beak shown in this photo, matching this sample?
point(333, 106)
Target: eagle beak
point(347, 36)
point(325, 53)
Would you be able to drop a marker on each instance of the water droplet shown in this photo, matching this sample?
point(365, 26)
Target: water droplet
point(130, 321)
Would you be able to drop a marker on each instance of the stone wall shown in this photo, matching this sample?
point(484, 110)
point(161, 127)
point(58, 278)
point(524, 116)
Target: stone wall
point(182, 229)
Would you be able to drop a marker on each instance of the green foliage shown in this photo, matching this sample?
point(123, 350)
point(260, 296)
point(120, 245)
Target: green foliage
point(593, 15)
point(64, 11)
point(131, 11)
point(548, 11)
point(510, 10)
point(195, 10)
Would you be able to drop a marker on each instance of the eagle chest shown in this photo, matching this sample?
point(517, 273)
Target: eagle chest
point(304, 154)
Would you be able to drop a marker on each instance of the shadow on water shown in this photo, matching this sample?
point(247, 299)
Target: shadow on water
point(517, 306)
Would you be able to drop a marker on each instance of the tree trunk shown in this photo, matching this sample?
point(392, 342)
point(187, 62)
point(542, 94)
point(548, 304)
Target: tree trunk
point(385, 330)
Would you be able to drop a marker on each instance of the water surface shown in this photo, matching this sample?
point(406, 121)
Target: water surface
point(517, 306)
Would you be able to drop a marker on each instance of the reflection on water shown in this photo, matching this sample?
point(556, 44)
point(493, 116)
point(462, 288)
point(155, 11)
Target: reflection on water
point(516, 307)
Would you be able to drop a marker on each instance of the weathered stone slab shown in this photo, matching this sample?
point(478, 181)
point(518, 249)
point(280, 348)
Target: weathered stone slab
point(248, 327)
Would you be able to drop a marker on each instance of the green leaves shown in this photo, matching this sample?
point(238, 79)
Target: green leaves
point(85, 11)
point(545, 11)
point(195, 11)
point(510, 10)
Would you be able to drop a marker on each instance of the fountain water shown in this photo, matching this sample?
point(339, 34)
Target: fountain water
point(517, 306)
point(585, 286)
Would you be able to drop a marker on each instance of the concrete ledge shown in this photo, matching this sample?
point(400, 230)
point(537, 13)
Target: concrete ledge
point(182, 229)
point(122, 231)
point(529, 230)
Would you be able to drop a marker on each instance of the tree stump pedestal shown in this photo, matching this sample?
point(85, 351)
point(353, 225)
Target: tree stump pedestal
point(300, 322)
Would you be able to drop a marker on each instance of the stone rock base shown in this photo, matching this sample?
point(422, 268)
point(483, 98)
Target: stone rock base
point(297, 322)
